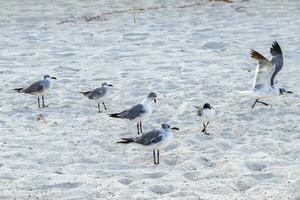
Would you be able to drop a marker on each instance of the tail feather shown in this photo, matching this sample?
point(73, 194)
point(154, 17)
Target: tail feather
point(18, 89)
point(115, 115)
point(126, 140)
point(84, 93)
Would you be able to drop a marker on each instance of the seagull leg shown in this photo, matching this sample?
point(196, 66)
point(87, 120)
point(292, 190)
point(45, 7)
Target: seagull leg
point(263, 103)
point(138, 128)
point(99, 110)
point(254, 103)
point(204, 127)
point(43, 102)
point(257, 101)
point(39, 102)
point(141, 127)
point(104, 106)
point(157, 156)
point(154, 160)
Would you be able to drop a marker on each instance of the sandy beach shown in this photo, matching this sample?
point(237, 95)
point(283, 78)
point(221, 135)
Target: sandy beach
point(189, 53)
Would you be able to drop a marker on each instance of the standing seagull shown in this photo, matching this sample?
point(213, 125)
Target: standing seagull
point(207, 114)
point(266, 71)
point(154, 139)
point(38, 88)
point(98, 94)
point(138, 112)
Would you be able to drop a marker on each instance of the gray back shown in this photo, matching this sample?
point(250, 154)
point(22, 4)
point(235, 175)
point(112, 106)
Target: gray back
point(97, 93)
point(151, 137)
point(36, 87)
point(133, 112)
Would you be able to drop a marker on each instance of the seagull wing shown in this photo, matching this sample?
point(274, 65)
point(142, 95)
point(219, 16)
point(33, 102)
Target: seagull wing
point(35, 87)
point(151, 137)
point(133, 112)
point(277, 60)
point(264, 71)
point(97, 93)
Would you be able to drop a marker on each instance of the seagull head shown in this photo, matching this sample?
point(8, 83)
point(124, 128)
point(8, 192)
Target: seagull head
point(152, 96)
point(104, 84)
point(167, 127)
point(207, 106)
point(282, 91)
point(47, 76)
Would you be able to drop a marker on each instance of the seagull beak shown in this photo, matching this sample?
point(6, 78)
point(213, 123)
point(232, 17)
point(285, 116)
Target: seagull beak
point(154, 100)
point(110, 85)
point(290, 92)
point(175, 128)
point(53, 78)
point(197, 107)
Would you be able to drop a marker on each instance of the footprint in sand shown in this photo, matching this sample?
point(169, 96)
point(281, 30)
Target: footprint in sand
point(192, 176)
point(135, 36)
point(261, 176)
point(245, 183)
point(125, 181)
point(214, 46)
point(161, 189)
point(154, 175)
point(255, 166)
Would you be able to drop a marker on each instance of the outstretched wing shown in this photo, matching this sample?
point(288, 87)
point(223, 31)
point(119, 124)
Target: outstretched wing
point(277, 60)
point(36, 87)
point(132, 113)
point(151, 137)
point(264, 71)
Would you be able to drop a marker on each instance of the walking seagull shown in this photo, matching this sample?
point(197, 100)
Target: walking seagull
point(138, 112)
point(99, 94)
point(266, 71)
point(207, 114)
point(154, 139)
point(38, 88)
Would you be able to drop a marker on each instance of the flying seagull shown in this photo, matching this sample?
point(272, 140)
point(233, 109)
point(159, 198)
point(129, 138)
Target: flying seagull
point(154, 139)
point(38, 88)
point(138, 112)
point(207, 114)
point(99, 94)
point(266, 71)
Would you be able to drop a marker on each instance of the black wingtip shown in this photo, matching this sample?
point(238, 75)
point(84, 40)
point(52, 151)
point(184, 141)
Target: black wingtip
point(125, 141)
point(275, 49)
point(115, 115)
point(18, 89)
point(84, 93)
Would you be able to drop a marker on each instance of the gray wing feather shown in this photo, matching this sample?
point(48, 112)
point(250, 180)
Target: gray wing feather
point(277, 59)
point(97, 93)
point(151, 137)
point(133, 112)
point(36, 87)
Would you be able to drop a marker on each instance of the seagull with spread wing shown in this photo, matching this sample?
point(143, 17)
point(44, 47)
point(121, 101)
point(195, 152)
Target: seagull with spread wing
point(266, 71)
point(138, 112)
point(154, 139)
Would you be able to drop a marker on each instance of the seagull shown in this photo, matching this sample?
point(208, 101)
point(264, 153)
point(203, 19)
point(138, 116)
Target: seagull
point(154, 139)
point(38, 88)
point(138, 112)
point(99, 94)
point(266, 71)
point(208, 114)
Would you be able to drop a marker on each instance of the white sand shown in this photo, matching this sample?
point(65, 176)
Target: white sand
point(191, 55)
